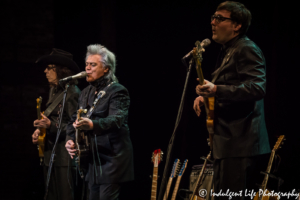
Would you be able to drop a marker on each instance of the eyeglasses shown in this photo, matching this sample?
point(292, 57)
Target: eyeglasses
point(218, 18)
point(49, 67)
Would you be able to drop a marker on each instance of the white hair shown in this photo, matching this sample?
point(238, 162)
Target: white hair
point(107, 58)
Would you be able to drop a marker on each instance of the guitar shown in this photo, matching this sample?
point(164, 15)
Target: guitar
point(82, 146)
point(156, 158)
point(42, 135)
point(179, 179)
point(209, 102)
point(200, 177)
point(174, 173)
point(266, 178)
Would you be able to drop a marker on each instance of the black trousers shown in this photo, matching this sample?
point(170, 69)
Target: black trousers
point(60, 185)
point(238, 175)
point(109, 191)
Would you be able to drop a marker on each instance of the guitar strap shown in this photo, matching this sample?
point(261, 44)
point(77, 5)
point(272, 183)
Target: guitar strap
point(53, 105)
point(99, 96)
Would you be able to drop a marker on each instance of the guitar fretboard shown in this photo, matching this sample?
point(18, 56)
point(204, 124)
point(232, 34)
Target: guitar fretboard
point(154, 183)
point(168, 189)
point(176, 188)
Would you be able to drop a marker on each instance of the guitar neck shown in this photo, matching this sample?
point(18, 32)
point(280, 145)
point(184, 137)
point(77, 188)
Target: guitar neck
point(39, 113)
point(266, 178)
point(154, 183)
point(176, 188)
point(200, 176)
point(168, 189)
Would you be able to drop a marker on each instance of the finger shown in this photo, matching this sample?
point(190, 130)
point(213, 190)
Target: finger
point(204, 87)
point(44, 116)
point(197, 79)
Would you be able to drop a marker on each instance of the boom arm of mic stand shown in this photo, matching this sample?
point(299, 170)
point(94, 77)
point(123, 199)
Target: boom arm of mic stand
point(170, 146)
point(57, 136)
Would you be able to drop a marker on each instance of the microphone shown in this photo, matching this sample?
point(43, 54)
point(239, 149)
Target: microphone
point(205, 43)
point(79, 75)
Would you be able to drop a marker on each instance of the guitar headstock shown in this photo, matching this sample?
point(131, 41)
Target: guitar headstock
point(39, 102)
point(198, 51)
point(279, 142)
point(79, 112)
point(183, 167)
point(38, 106)
point(175, 168)
point(157, 157)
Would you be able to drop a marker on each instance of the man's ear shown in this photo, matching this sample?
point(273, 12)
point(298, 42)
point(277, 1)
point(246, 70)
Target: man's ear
point(106, 69)
point(237, 27)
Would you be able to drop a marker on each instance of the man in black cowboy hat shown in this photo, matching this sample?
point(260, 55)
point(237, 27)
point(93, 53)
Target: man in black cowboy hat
point(59, 64)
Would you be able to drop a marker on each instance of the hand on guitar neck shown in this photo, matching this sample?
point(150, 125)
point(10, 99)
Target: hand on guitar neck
point(208, 89)
point(42, 123)
point(83, 124)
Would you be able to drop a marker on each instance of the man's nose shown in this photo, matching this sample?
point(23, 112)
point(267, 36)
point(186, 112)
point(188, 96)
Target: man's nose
point(213, 22)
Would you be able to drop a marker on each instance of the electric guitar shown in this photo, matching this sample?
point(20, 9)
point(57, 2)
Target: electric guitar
point(195, 195)
point(174, 173)
point(156, 158)
point(209, 102)
point(179, 179)
point(267, 173)
point(42, 135)
point(82, 146)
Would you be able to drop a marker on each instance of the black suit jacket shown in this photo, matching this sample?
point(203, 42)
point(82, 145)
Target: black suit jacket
point(240, 129)
point(110, 133)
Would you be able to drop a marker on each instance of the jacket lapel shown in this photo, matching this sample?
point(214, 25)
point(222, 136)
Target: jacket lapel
point(230, 52)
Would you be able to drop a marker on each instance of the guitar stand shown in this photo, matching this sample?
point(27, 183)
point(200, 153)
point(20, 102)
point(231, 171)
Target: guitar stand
point(185, 192)
point(280, 180)
point(204, 158)
point(270, 175)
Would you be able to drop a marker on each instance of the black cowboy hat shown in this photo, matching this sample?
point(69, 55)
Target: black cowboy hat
point(59, 57)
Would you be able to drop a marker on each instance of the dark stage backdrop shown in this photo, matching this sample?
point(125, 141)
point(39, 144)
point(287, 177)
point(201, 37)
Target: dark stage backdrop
point(149, 38)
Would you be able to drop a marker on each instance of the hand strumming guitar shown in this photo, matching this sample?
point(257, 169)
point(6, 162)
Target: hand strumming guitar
point(70, 146)
point(35, 136)
point(199, 101)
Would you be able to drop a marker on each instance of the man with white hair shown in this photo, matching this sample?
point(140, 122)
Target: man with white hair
point(110, 161)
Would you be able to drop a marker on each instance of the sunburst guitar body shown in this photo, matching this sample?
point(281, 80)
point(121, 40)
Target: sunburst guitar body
point(42, 135)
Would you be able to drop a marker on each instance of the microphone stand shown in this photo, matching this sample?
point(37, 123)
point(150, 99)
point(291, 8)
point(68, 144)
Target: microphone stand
point(56, 140)
point(170, 146)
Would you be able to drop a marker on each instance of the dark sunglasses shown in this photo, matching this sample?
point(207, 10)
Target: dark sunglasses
point(218, 18)
point(50, 67)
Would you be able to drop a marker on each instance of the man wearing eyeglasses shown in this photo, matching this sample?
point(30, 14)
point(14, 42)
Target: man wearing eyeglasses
point(238, 85)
